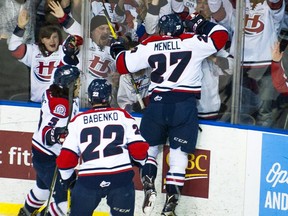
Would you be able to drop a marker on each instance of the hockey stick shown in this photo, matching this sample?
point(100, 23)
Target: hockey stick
point(71, 94)
point(114, 35)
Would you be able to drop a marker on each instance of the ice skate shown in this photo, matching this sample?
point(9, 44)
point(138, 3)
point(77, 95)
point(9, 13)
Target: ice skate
point(170, 205)
point(150, 195)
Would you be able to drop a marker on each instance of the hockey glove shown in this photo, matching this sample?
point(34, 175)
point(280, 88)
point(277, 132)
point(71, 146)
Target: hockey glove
point(56, 135)
point(117, 46)
point(195, 23)
point(71, 49)
point(69, 183)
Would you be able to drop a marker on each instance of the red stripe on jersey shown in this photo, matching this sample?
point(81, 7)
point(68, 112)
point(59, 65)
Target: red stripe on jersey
point(120, 64)
point(104, 173)
point(174, 180)
point(154, 38)
point(219, 39)
point(67, 159)
point(95, 110)
point(44, 132)
point(19, 53)
point(275, 6)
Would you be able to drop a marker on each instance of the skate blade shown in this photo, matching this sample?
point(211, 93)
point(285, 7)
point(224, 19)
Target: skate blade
point(147, 210)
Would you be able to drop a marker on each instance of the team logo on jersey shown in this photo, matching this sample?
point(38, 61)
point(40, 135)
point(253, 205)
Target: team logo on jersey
point(43, 72)
point(157, 98)
point(99, 67)
point(60, 110)
point(105, 184)
point(253, 24)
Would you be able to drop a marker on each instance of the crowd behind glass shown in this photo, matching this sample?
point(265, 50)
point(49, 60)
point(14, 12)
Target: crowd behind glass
point(259, 83)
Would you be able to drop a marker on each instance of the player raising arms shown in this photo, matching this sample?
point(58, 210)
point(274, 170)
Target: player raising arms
point(106, 139)
point(47, 139)
point(175, 59)
point(44, 57)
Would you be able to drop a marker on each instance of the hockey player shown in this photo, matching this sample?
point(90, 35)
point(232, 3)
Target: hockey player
point(106, 139)
point(47, 139)
point(45, 57)
point(175, 59)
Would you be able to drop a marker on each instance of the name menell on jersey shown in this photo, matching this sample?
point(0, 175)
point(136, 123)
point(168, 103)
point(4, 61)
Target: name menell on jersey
point(98, 117)
point(168, 45)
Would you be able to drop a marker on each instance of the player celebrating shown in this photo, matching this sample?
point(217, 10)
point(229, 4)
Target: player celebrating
point(106, 139)
point(47, 139)
point(175, 59)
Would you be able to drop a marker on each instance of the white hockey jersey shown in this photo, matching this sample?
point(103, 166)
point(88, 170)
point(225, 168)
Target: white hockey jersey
point(175, 61)
point(42, 68)
point(210, 102)
point(100, 62)
point(100, 136)
point(54, 113)
point(127, 93)
point(262, 23)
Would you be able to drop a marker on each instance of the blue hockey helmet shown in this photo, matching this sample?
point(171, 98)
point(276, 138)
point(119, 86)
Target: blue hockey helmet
point(171, 25)
point(99, 91)
point(66, 75)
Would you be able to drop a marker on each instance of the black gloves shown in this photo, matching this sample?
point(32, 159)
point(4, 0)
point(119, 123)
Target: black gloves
point(195, 23)
point(70, 182)
point(71, 49)
point(117, 46)
point(56, 135)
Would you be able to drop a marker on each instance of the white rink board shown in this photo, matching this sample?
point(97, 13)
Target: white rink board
point(230, 187)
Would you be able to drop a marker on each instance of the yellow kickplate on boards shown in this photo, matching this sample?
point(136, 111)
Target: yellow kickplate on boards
point(9, 209)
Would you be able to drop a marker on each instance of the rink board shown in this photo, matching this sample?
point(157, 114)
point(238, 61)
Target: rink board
point(234, 171)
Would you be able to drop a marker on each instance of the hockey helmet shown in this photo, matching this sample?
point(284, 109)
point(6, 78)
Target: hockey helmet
point(171, 25)
point(66, 76)
point(99, 91)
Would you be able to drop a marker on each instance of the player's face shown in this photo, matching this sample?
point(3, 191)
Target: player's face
point(101, 35)
point(52, 43)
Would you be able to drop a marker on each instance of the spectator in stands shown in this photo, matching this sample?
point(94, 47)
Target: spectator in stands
point(279, 69)
point(129, 86)
point(183, 7)
point(262, 22)
point(101, 64)
point(155, 10)
point(45, 57)
point(14, 86)
point(130, 17)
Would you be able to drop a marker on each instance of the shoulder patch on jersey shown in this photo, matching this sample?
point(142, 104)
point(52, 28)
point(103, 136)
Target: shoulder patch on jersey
point(58, 106)
point(60, 110)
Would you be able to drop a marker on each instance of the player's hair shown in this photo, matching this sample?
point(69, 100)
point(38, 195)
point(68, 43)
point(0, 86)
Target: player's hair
point(45, 32)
